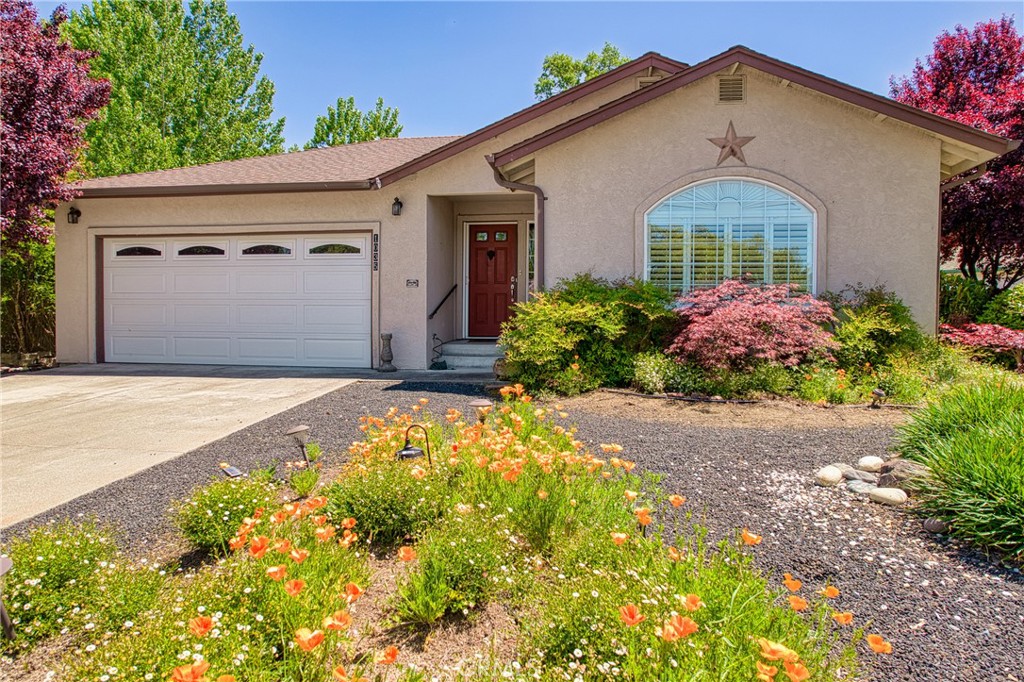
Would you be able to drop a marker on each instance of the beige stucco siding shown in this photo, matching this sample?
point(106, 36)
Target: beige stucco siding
point(874, 184)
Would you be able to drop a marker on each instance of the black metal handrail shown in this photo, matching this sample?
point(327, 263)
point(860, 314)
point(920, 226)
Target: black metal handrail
point(446, 297)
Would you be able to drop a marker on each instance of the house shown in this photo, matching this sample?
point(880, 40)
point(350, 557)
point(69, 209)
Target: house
point(740, 165)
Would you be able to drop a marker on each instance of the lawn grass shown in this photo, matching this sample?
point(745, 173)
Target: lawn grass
point(514, 511)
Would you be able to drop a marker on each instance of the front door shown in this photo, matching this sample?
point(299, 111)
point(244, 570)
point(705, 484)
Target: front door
point(492, 277)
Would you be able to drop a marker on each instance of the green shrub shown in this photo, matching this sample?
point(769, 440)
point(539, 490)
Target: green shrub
point(388, 501)
point(1006, 309)
point(68, 579)
point(826, 384)
point(961, 299)
point(27, 300)
point(210, 516)
point(303, 481)
point(652, 372)
point(584, 334)
point(873, 325)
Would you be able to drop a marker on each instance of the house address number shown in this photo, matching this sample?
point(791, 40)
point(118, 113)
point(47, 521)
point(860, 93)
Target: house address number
point(376, 252)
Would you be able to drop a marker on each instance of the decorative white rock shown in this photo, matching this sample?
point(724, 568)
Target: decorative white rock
point(890, 496)
point(870, 463)
point(827, 476)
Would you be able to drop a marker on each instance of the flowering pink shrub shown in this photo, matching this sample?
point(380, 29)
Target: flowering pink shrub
point(988, 336)
point(737, 325)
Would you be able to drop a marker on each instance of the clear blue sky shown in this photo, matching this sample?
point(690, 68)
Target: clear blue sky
point(451, 68)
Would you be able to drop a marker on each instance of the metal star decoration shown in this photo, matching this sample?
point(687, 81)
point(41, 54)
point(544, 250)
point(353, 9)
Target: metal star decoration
point(731, 145)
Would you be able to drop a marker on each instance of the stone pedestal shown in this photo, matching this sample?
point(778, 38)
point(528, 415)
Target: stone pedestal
point(386, 356)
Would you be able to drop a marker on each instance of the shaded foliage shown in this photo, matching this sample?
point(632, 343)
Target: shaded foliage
point(345, 124)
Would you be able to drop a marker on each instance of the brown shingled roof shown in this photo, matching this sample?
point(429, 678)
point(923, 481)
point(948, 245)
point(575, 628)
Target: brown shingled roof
point(350, 166)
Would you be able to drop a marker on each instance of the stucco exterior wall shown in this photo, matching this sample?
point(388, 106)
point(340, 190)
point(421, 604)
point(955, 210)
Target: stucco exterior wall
point(874, 183)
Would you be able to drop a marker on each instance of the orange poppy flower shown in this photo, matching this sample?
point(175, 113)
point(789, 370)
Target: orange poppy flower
point(277, 572)
point(307, 640)
point(542, 494)
point(283, 545)
point(352, 593)
point(340, 620)
point(676, 500)
point(843, 617)
point(692, 602)
point(677, 627)
point(200, 625)
point(796, 672)
point(348, 523)
point(324, 533)
point(774, 651)
point(294, 587)
point(797, 603)
point(341, 676)
point(236, 543)
point(388, 656)
point(259, 546)
point(348, 538)
point(765, 673)
point(418, 472)
point(226, 678)
point(630, 615)
point(674, 554)
point(191, 673)
point(619, 538)
point(830, 592)
point(750, 538)
point(643, 516)
point(627, 465)
point(630, 495)
point(406, 553)
point(791, 583)
point(879, 645)
point(318, 520)
point(316, 502)
point(299, 555)
point(279, 517)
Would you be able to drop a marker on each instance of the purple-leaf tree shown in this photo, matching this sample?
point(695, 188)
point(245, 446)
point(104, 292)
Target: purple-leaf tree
point(48, 97)
point(990, 337)
point(976, 77)
point(737, 325)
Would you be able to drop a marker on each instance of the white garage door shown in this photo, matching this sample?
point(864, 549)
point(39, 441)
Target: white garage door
point(282, 300)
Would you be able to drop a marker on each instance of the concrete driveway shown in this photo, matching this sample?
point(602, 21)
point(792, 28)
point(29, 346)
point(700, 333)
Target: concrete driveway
point(70, 430)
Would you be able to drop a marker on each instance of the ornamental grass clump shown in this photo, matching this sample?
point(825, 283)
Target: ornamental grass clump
point(971, 439)
point(735, 326)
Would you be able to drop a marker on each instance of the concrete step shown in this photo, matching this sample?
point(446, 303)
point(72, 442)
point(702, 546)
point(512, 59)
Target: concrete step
point(475, 355)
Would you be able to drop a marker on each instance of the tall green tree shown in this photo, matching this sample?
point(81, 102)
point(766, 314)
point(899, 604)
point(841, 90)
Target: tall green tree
point(561, 71)
point(185, 89)
point(345, 123)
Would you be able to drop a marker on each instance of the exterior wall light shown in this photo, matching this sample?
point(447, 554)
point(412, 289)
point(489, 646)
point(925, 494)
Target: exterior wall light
point(483, 406)
point(396, 207)
point(410, 451)
point(73, 215)
point(301, 435)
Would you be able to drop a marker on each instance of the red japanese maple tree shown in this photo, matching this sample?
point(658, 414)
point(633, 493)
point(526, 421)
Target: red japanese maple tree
point(990, 337)
point(48, 97)
point(976, 77)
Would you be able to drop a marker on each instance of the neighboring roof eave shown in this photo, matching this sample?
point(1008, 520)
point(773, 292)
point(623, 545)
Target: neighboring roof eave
point(638, 65)
point(211, 190)
point(742, 55)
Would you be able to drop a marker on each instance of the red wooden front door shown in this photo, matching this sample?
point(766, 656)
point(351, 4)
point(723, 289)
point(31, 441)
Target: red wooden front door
point(492, 277)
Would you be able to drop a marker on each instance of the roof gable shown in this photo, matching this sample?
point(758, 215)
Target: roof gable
point(938, 125)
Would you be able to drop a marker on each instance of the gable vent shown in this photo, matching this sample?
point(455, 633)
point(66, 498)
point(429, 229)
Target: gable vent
point(644, 81)
point(731, 89)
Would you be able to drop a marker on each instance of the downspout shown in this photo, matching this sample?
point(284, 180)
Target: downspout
point(538, 248)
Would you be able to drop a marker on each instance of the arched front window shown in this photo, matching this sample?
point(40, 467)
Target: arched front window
point(730, 229)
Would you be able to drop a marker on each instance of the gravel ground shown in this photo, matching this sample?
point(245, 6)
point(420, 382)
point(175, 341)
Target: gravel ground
point(950, 613)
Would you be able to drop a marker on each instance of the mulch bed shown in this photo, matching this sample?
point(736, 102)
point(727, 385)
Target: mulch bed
point(950, 612)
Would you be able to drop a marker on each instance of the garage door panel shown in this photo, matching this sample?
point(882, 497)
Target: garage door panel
point(132, 315)
point(207, 348)
point(137, 282)
point(342, 284)
point(202, 283)
point(138, 348)
point(267, 282)
point(202, 314)
point(306, 308)
point(260, 316)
